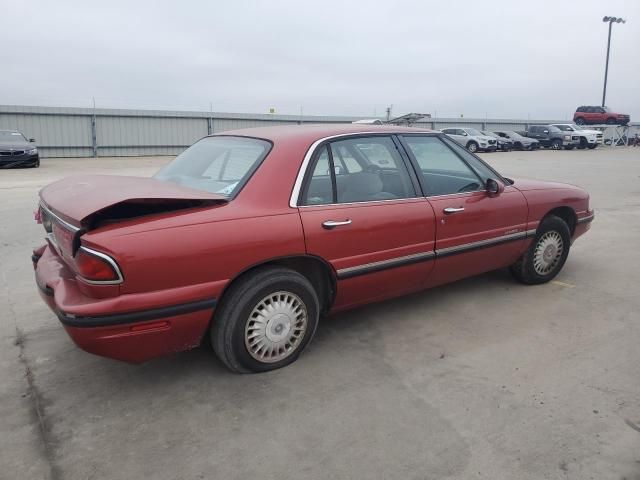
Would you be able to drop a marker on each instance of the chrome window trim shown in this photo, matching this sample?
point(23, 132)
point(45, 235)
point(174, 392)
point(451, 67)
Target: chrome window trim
point(297, 186)
point(110, 261)
point(64, 223)
point(334, 205)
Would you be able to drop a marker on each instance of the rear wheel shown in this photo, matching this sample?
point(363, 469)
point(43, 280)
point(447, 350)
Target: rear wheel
point(580, 121)
point(547, 254)
point(472, 147)
point(265, 320)
point(556, 144)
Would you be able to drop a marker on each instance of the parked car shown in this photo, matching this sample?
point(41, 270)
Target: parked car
point(520, 142)
point(599, 115)
point(17, 151)
point(588, 138)
point(472, 139)
point(552, 137)
point(249, 236)
point(503, 144)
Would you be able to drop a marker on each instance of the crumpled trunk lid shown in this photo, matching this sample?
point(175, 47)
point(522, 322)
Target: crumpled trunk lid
point(85, 201)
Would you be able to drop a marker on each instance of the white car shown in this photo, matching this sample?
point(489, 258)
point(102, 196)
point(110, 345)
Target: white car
point(588, 138)
point(472, 139)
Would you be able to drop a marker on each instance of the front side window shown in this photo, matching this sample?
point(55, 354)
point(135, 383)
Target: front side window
point(482, 169)
point(216, 164)
point(443, 171)
point(363, 169)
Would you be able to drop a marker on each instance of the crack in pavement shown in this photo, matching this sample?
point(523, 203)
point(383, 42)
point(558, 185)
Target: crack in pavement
point(47, 441)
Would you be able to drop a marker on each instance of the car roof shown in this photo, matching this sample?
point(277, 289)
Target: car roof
point(318, 131)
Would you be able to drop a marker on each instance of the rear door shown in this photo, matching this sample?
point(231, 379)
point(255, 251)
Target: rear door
point(362, 211)
point(475, 232)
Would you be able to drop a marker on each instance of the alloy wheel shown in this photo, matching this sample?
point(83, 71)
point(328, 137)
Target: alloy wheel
point(276, 326)
point(548, 252)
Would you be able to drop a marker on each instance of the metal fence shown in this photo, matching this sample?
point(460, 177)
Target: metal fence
point(87, 132)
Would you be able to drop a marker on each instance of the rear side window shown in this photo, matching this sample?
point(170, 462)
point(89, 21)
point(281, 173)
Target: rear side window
point(443, 171)
point(219, 164)
point(363, 169)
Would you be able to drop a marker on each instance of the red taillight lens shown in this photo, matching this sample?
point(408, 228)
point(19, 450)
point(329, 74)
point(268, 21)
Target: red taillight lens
point(96, 266)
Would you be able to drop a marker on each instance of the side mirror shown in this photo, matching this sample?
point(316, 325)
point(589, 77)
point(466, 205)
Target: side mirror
point(465, 134)
point(494, 187)
point(32, 140)
point(546, 131)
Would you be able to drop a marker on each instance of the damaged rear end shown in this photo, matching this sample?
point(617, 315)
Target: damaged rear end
point(82, 280)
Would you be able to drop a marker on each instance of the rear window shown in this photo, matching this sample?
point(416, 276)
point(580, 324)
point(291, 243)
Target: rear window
point(219, 164)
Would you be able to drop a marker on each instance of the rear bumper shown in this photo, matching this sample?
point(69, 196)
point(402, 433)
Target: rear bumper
point(130, 335)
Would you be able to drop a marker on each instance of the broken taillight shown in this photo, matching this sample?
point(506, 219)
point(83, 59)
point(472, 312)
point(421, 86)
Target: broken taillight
point(96, 267)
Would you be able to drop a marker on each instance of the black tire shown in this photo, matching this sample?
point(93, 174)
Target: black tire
point(231, 317)
point(583, 143)
point(611, 121)
point(592, 146)
point(569, 147)
point(472, 146)
point(580, 121)
point(556, 144)
point(525, 271)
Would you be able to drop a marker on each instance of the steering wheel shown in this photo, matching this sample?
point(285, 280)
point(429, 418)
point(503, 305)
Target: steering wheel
point(469, 187)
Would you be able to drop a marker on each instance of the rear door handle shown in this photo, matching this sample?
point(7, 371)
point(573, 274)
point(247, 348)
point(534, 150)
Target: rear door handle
point(330, 224)
point(450, 210)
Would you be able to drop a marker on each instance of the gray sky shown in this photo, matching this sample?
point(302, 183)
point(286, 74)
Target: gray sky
point(496, 58)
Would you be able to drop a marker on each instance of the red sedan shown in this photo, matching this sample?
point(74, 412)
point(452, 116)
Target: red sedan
point(250, 236)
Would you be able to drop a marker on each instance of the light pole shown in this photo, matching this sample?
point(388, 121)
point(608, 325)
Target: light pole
point(611, 21)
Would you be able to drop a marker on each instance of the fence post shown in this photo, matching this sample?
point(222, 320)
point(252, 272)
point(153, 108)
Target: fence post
point(94, 135)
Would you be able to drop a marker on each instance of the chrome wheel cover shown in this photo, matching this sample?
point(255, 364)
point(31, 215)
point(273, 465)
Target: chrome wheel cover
point(275, 327)
point(472, 147)
point(547, 252)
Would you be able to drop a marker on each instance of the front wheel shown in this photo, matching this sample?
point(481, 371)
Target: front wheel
point(611, 121)
point(592, 146)
point(472, 147)
point(547, 254)
point(556, 144)
point(265, 320)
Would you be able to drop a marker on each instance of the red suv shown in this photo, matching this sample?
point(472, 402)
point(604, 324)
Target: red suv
point(593, 115)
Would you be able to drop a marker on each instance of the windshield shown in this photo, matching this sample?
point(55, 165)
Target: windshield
point(473, 131)
point(513, 135)
point(11, 136)
point(216, 164)
point(490, 134)
point(553, 129)
point(565, 128)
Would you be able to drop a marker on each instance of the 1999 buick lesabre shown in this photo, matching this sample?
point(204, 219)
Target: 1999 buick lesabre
point(251, 235)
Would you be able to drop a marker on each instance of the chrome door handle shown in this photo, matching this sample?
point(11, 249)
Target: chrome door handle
point(450, 210)
point(329, 224)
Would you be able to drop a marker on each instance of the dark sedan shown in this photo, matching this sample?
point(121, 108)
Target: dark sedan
point(17, 151)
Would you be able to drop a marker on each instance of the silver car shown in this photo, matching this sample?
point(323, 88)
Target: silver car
point(472, 139)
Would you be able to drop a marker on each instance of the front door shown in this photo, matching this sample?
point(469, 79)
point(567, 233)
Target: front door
point(475, 232)
point(361, 211)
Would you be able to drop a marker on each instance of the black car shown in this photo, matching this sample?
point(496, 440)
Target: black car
point(504, 144)
point(17, 151)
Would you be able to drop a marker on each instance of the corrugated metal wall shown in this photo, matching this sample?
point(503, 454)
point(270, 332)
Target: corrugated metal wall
point(85, 132)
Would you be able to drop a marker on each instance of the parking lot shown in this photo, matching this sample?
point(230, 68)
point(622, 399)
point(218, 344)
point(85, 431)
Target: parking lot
point(483, 378)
